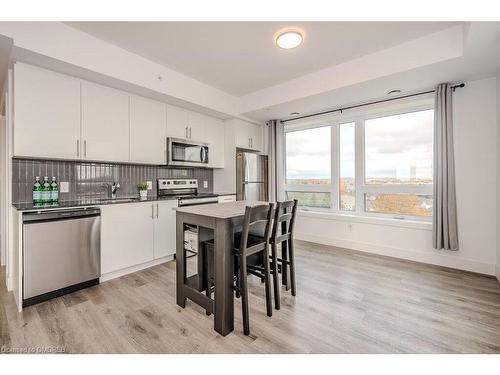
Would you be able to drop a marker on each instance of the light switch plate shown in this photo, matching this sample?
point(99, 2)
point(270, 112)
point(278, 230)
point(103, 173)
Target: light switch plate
point(64, 187)
point(150, 185)
point(205, 184)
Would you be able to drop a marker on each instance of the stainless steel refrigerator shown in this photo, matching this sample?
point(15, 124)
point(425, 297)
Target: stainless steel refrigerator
point(251, 177)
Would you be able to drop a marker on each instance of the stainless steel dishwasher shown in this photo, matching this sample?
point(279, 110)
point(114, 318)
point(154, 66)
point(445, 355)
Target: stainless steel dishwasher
point(61, 252)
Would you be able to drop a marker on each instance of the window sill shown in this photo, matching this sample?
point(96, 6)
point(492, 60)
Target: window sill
point(402, 223)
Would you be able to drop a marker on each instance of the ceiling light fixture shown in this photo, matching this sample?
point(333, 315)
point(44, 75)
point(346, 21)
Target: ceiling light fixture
point(289, 39)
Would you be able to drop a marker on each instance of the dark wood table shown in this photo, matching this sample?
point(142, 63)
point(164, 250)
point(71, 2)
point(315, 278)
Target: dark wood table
point(218, 221)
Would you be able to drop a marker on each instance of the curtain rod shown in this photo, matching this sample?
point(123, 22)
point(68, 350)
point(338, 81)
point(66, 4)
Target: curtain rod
point(370, 103)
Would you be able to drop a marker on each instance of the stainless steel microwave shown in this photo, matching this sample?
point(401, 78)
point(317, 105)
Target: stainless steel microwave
point(183, 153)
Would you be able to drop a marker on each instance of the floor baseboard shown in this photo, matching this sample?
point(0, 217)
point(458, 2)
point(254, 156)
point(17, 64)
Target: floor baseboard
point(142, 266)
point(428, 258)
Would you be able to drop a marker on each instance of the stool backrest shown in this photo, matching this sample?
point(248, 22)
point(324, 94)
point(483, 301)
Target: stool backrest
point(256, 218)
point(284, 219)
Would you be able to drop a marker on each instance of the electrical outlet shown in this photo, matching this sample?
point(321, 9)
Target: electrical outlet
point(150, 185)
point(64, 187)
point(205, 184)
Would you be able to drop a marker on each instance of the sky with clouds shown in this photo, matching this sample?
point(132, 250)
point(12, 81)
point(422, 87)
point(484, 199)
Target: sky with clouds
point(398, 146)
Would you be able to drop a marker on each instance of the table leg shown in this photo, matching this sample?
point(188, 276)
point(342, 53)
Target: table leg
point(180, 261)
point(224, 277)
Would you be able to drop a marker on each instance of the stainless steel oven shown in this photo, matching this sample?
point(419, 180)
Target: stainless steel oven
point(181, 152)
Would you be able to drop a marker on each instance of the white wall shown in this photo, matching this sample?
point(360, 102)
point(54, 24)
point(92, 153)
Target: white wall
point(475, 126)
point(498, 177)
point(2, 192)
point(66, 44)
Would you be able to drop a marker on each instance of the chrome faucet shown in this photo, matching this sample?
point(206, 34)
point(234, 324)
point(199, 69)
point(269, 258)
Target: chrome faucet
point(112, 189)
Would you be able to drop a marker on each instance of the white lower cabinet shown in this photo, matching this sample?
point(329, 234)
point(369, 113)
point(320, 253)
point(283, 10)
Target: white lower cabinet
point(136, 233)
point(126, 235)
point(164, 229)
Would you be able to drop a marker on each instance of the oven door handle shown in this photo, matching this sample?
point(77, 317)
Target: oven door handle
point(190, 202)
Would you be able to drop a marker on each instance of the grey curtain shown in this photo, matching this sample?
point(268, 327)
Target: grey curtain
point(275, 139)
point(444, 227)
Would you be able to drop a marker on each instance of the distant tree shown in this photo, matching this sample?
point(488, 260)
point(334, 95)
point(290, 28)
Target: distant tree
point(399, 203)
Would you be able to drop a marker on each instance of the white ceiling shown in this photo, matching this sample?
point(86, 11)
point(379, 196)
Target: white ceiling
point(480, 59)
point(241, 57)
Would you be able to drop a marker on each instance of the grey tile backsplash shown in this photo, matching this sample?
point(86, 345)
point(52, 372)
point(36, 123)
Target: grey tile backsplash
point(86, 179)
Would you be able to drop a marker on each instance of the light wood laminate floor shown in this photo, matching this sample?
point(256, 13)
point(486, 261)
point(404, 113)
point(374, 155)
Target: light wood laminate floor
point(347, 302)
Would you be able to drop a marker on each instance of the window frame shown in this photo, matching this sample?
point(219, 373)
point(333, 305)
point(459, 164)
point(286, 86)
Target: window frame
point(361, 188)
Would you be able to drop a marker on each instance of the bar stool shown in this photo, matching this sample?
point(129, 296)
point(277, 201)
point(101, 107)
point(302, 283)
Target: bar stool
point(282, 233)
point(257, 218)
point(284, 219)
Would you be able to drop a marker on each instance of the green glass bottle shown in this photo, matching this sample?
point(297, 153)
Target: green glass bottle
point(37, 192)
point(46, 191)
point(54, 191)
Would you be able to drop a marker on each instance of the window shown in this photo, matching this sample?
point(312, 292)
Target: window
point(400, 204)
point(368, 165)
point(308, 199)
point(398, 149)
point(308, 157)
point(398, 164)
point(308, 166)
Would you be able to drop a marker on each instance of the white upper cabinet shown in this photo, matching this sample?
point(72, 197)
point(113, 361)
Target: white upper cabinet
point(61, 117)
point(196, 131)
point(148, 131)
point(46, 113)
point(105, 123)
point(185, 124)
point(215, 137)
point(248, 136)
point(177, 122)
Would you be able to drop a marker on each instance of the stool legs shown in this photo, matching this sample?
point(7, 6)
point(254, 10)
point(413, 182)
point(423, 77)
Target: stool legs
point(284, 265)
point(276, 281)
point(292, 266)
point(267, 281)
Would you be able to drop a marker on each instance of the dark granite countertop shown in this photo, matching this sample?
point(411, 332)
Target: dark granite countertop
point(88, 202)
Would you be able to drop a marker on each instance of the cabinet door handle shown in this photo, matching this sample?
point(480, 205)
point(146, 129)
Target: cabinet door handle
point(190, 132)
point(251, 142)
point(186, 131)
point(157, 210)
point(152, 211)
point(85, 148)
point(78, 148)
